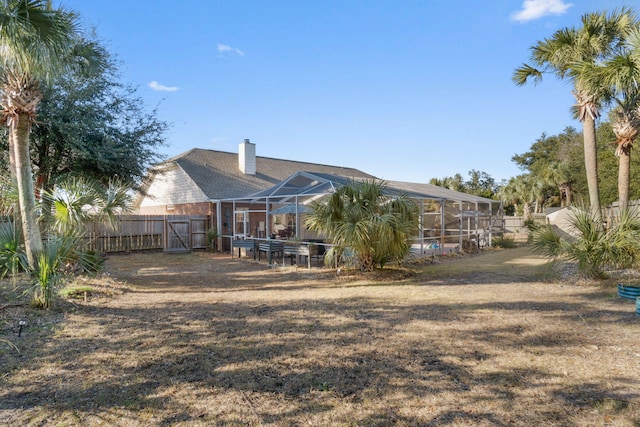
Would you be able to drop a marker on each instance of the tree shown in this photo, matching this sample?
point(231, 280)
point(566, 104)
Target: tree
point(619, 76)
point(455, 183)
point(90, 124)
point(36, 41)
point(546, 150)
point(557, 174)
point(510, 196)
point(548, 161)
point(564, 151)
point(609, 165)
point(523, 190)
point(479, 183)
point(362, 218)
point(70, 205)
point(562, 56)
point(76, 200)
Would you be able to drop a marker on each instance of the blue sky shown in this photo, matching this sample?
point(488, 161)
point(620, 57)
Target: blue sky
point(406, 90)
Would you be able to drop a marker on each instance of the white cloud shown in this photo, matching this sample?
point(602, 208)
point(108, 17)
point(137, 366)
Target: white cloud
point(535, 9)
point(223, 48)
point(161, 88)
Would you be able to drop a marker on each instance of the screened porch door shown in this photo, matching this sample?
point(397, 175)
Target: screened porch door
point(242, 225)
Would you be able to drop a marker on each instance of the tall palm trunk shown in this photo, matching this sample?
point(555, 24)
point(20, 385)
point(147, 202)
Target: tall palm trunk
point(626, 130)
point(19, 129)
point(366, 261)
point(20, 99)
point(588, 113)
point(12, 170)
point(37, 43)
point(624, 173)
point(568, 54)
point(526, 211)
point(12, 161)
point(565, 194)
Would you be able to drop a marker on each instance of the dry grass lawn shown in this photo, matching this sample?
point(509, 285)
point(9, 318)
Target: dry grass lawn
point(202, 339)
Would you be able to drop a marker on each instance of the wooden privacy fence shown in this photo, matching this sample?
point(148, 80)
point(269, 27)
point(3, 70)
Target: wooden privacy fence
point(174, 233)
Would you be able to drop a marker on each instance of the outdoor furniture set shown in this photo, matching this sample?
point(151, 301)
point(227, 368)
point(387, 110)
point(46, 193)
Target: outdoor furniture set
point(278, 249)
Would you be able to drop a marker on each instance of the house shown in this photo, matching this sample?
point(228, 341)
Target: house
point(196, 181)
point(204, 182)
point(247, 195)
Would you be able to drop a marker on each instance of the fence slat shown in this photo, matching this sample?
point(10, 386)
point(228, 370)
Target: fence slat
point(141, 233)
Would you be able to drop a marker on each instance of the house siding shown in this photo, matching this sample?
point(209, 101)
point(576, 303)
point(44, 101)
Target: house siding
point(170, 189)
point(199, 176)
point(202, 208)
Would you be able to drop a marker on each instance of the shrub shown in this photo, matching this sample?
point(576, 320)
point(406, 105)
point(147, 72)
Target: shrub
point(12, 258)
point(503, 242)
point(589, 245)
point(212, 239)
point(75, 291)
point(59, 256)
point(359, 216)
point(531, 225)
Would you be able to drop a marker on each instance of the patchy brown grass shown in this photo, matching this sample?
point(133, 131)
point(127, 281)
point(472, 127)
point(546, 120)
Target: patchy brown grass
point(201, 339)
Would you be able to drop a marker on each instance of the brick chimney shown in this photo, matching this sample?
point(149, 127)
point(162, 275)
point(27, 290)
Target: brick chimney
point(247, 157)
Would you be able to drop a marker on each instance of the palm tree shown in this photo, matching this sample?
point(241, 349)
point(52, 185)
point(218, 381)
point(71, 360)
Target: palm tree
point(510, 194)
point(626, 128)
point(455, 183)
point(589, 245)
point(35, 43)
point(560, 55)
point(524, 189)
point(72, 203)
point(361, 218)
point(620, 77)
point(76, 200)
point(556, 174)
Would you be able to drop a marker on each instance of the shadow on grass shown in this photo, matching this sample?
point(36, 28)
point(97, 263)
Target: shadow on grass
point(309, 356)
point(328, 361)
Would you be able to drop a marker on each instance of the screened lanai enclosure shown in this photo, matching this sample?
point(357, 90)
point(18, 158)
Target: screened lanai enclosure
point(449, 220)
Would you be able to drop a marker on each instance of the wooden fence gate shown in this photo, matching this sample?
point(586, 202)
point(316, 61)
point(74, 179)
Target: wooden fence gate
point(178, 236)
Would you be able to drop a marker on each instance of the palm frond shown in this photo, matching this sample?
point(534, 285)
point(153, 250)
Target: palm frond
point(35, 37)
point(359, 216)
point(525, 72)
point(546, 242)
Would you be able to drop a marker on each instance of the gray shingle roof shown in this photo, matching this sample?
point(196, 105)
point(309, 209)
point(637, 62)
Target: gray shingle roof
point(430, 191)
point(307, 183)
point(219, 177)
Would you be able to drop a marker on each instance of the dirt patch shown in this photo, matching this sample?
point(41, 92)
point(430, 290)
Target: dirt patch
point(202, 339)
